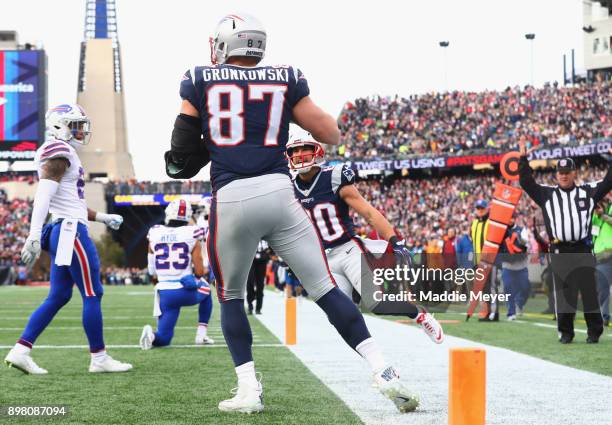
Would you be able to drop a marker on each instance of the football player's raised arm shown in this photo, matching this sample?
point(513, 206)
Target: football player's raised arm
point(196, 259)
point(317, 122)
point(353, 198)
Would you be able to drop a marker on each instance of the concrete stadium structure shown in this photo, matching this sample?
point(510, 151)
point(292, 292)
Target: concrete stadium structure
point(100, 93)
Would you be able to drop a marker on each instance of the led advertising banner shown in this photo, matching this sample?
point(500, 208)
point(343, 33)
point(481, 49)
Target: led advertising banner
point(23, 102)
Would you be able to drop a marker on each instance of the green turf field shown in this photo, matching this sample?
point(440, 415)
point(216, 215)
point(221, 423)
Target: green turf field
point(534, 334)
point(168, 385)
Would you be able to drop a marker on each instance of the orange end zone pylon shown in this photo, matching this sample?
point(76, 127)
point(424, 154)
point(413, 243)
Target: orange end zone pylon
point(290, 321)
point(467, 386)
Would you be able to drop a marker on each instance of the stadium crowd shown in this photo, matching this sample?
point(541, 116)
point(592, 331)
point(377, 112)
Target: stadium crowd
point(453, 122)
point(15, 225)
point(125, 276)
point(19, 176)
point(423, 210)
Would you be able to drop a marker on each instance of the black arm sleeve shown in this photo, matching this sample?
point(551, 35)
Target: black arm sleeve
point(603, 187)
point(187, 154)
point(528, 183)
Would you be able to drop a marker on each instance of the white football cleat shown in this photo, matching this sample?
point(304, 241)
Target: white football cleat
point(246, 399)
point(147, 337)
point(430, 326)
point(204, 340)
point(108, 365)
point(390, 386)
point(24, 363)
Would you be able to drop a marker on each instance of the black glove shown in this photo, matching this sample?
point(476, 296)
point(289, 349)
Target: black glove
point(187, 154)
point(183, 166)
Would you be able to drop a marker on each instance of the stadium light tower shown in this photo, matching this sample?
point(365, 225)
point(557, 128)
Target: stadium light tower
point(444, 45)
point(100, 93)
point(530, 37)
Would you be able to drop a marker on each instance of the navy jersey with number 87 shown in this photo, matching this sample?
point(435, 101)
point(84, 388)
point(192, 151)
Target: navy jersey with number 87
point(245, 116)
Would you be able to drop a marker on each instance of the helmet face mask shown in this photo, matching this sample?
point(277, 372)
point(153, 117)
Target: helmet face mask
point(237, 35)
point(80, 130)
point(69, 123)
point(311, 154)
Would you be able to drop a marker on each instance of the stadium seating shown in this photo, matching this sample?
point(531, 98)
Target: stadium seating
point(453, 122)
point(424, 209)
point(15, 225)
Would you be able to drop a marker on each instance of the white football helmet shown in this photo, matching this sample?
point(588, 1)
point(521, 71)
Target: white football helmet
point(303, 162)
point(238, 35)
point(179, 210)
point(68, 122)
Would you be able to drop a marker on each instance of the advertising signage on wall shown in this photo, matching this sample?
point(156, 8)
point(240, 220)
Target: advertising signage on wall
point(23, 102)
point(444, 161)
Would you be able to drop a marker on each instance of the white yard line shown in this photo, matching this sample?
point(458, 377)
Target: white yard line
point(69, 347)
point(62, 317)
point(520, 389)
point(111, 328)
point(547, 325)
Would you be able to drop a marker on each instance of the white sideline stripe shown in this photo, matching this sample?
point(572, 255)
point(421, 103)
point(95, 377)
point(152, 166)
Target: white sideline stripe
point(546, 325)
point(106, 317)
point(520, 388)
point(218, 331)
point(3, 347)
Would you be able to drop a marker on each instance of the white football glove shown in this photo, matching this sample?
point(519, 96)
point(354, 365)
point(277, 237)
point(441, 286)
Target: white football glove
point(113, 221)
point(31, 250)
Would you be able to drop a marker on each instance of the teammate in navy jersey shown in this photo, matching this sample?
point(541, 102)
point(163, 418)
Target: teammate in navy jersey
point(243, 111)
point(327, 193)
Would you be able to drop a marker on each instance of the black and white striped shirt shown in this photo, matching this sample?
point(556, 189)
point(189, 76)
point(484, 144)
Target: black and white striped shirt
point(567, 213)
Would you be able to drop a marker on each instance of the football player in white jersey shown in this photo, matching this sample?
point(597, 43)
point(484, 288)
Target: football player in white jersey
point(73, 254)
point(328, 194)
point(175, 256)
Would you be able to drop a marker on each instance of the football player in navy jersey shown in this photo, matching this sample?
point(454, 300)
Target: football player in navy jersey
point(327, 193)
point(243, 111)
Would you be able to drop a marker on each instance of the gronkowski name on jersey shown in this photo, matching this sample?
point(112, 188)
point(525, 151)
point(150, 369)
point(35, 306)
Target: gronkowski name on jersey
point(329, 212)
point(245, 116)
point(69, 200)
point(172, 247)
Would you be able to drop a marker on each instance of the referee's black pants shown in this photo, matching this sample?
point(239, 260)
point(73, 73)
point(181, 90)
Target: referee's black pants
point(255, 285)
point(574, 271)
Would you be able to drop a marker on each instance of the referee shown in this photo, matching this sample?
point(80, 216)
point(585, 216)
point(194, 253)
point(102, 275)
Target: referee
point(567, 210)
point(257, 276)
